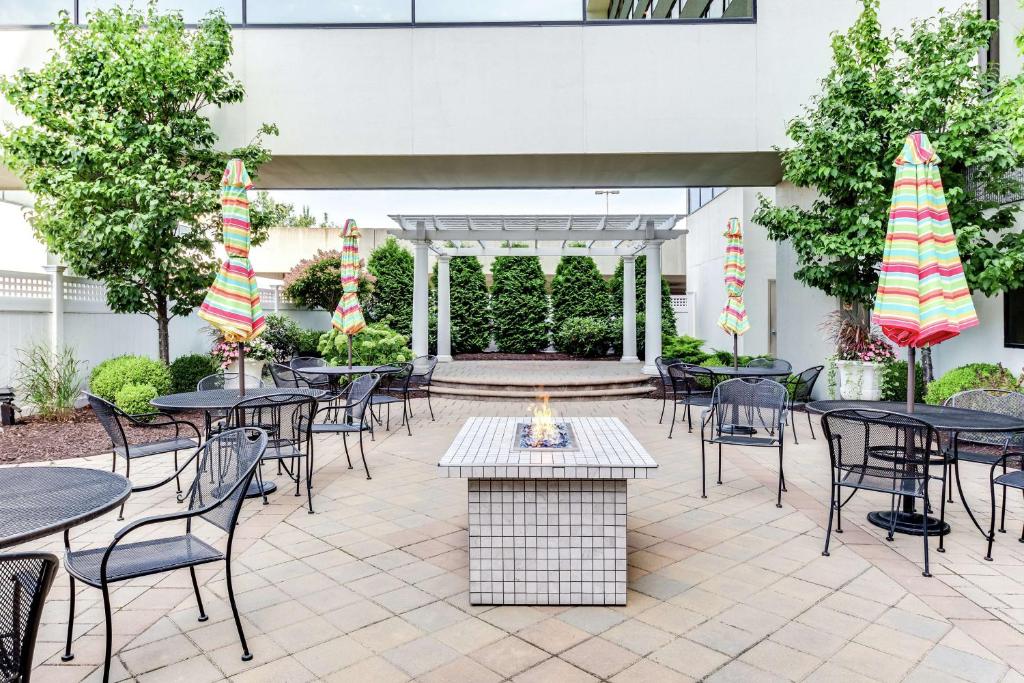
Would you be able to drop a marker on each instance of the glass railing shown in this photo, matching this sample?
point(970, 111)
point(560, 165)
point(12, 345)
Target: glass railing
point(402, 12)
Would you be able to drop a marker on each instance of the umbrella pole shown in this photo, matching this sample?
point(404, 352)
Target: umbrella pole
point(911, 377)
point(349, 338)
point(735, 351)
point(241, 368)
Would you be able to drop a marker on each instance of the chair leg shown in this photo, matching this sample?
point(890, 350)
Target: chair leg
point(298, 477)
point(892, 519)
point(703, 475)
point(810, 425)
point(942, 510)
point(108, 651)
point(719, 464)
point(429, 406)
point(362, 454)
point(405, 416)
point(128, 476)
point(1002, 517)
point(344, 441)
point(782, 479)
point(839, 510)
point(309, 476)
point(924, 534)
point(831, 512)
point(388, 425)
point(246, 655)
point(689, 418)
point(199, 598)
point(177, 478)
point(672, 427)
point(67, 656)
point(664, 400)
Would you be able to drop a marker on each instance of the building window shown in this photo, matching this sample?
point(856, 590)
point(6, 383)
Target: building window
point(333, 12)
point(1013, 319)
point(698, 197)
point(37, 13)
point(648, 10)
point(465, 11)
point(191, 10)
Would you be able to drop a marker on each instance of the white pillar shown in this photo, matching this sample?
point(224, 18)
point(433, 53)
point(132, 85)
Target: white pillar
point(420, 300)
point(652, 332)
point(444, 317)
point(629, 310)
point(56, 306)
point(277, 298)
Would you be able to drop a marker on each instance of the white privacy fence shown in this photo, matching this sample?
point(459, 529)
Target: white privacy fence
point(81, 319)
point(681, 307)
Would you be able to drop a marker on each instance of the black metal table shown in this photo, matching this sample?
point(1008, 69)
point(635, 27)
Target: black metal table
point(944, 419)
point(226, 399)
point(334, 373)
point(744, 372)
point(38, 501)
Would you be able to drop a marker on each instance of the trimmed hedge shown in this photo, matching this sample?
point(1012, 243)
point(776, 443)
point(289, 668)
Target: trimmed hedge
point(584, 337)
point(111, 375)
point(390, 302)
point(134, 398)
point(519, 304)
point(971, 376)
point(577, 291)
point(615, 284)
point(186, 371)
point(893, 381)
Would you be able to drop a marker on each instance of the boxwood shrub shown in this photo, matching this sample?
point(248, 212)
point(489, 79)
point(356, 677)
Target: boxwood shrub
point(134, 398)
point(186, 371)
point(111, 375)
point(584, 337)
point(971, 376)
point(519, 304)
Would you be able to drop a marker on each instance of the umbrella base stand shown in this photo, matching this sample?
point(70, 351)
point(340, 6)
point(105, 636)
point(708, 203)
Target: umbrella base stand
point(254, 490)
point(908, 523)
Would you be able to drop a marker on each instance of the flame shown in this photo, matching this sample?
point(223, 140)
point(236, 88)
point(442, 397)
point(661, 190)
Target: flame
point(543, 427)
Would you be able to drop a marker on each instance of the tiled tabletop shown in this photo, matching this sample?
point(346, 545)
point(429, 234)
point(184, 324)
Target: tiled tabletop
point(484, 449)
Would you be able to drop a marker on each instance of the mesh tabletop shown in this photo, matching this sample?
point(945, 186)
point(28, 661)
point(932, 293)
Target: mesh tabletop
point(38, 501)
point(222, 399)
point(730, 371)
point(340, 370)
point(942, 418)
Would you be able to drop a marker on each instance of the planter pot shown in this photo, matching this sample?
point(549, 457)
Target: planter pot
point(253, 368)
point(859, 380)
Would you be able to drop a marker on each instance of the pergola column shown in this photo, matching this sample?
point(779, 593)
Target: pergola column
point(444, 317)
point(652, 314)
point(629, 309)
point(56, 307)
point(420, 300)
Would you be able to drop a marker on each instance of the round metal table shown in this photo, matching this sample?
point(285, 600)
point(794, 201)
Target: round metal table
point(38, 501)
point(226, 399)
point(943, 419)
point(744, 372)
point(334, 373)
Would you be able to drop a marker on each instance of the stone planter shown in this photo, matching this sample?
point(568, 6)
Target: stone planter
point(859, 380)
point(253, 368)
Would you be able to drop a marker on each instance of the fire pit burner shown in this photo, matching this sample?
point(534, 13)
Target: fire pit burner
point(532, 437)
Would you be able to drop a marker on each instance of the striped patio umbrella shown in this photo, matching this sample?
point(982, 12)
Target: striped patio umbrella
point(922, 296)
point(734, 315)
point(348, 316)
point(233, 303)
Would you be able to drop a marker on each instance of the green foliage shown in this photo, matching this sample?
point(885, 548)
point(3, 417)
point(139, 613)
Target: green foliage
point(881, 88)
point(309, 343)
point(615, 330)
point(283, 335)
point(615, 284)
point(584, 337)
point(686, 350)
point(971, 376)
point(470, 306)
point(316, 282)
point(375, 345)
point(893, 381)
point(50, 383)
point(577, 291)
point(265, 212)
point(122, 160)
point(391, 300)
point(519, 304)
point(134, 398)
point(111, 375)
point(186, 371)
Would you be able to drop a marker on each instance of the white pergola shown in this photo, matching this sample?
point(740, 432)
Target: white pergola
point(570, 235)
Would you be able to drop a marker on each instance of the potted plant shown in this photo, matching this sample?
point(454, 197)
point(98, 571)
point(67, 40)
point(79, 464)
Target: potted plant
point(860, 355)
point(257, 353)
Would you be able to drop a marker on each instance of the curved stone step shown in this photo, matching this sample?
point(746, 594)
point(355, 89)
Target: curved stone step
point(560, 393)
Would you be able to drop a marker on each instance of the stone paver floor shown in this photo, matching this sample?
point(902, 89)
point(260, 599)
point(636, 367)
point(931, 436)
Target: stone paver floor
point(373, 587)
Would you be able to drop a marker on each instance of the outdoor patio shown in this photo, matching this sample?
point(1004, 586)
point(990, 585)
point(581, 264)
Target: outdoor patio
point(373, 587)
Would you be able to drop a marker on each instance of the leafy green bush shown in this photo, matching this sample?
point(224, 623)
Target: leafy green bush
point(971, 376)
point(685, 349)
point(283, 335)
point(375, 345)
point(584, 337)
point(519, 304)
point(50, 383)
point(186, 371)
point(108, 377)
point(316, 282)
point(308, 343)
point(391, 300)
point(615, 284)
point(134, 398)
point(577, 291)
point(893, 381)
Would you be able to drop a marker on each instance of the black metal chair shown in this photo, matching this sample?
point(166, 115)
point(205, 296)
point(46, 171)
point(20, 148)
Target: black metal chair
point(393, 388)
point(874, 450)
point(286, 419)
point(25, 579)
point(800, 388)
point(216, 420)
point(662, 363)
point(1012, 477)
point(422, 374)
point(773, 363)
point(351, 417)
point(114, 421)
point(987, 448)
point(691, 386)
point(286, 378)
point(224, 467)
point(745, 412)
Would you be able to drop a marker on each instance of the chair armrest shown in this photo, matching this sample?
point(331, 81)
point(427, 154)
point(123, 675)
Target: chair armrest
point(162, 419)
point(176, 473)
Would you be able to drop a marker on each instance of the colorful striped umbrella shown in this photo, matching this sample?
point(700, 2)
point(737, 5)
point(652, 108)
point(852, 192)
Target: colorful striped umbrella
point(233, 303)
point(922, 296)
point(348, 316)
point(734, 315)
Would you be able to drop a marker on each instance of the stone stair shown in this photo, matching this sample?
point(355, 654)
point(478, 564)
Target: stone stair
point(557, 388)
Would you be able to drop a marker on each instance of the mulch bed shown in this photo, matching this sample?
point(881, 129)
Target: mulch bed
point(497, 355)
point(34, 439)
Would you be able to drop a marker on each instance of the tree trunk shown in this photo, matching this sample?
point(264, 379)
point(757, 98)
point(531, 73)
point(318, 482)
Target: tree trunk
point(162, 325)
point(926, 365)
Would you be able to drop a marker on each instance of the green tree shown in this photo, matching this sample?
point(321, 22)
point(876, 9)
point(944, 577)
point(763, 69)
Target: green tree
point(578, 291)
point(878, 90)
point(316, 282)
point(122, 159)
point(615, 286)
point(519, 304)
point(391, 300)
point(470, 306)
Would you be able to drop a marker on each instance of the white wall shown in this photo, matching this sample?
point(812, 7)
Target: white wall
point(21, 250)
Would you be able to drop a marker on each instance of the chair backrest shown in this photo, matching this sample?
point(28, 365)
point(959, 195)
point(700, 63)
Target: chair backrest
point(285, 416)
point(756, 403)
point(803, 384)
point(227, 380)
point(773, 363)
point(394, 377)
point(879, 447)
point(109, 416)
point(225, 467)
point(306, 362)
point(25, 579)
point(286, 378)
point(1001, 401)
point(358, 396)
point(663, 363)
point(423, 367)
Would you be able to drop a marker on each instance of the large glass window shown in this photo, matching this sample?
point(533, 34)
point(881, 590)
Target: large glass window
point(1013, 319)
point(455, 11)
point(329, 11)
point(646, 10)
point(191, 10)
point(33, 12)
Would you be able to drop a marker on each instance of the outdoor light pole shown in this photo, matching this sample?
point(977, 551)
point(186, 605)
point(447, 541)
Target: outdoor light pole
point(607, 194)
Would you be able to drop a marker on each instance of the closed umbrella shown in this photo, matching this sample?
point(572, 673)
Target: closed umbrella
point(922, 297)
point(348, 316)
point(232, 304)
point(734, 315)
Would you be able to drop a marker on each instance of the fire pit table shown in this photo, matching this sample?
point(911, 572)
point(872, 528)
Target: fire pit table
point(547, 508)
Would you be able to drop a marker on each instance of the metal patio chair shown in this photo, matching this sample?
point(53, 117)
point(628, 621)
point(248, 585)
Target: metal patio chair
point(393, 388)
point(215, 420)
point(800, 388)
point(286, 378)
point(662, 363)
point(25, 579)
point(351, 416)
point(773, 363)
point(1012, 476)
point(224, 467)
point(692, 385)
point(422, 375)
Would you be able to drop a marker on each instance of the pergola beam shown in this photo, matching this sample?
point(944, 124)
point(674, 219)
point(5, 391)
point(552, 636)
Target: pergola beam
point(517, 235)
point(538, 251)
